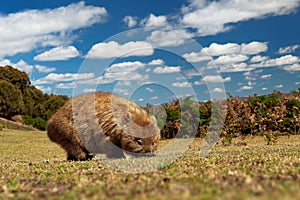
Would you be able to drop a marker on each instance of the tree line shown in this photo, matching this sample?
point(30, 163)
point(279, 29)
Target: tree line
point(19, 97)
point(258, 114)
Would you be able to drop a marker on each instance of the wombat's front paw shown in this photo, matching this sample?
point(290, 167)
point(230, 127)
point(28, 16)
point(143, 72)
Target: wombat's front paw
point(86, 156)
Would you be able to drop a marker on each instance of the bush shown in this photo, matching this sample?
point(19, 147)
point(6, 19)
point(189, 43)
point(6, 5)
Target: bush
point(273, 113)
point(40, 123)
point(28, 120)
point(37, 122)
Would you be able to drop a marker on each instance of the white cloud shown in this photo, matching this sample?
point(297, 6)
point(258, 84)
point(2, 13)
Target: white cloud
point(246, 87)
point(21, 65)
point(216, 79)
point(89, 90)
point(21, 45)
point(196, 57)
point(198, 82)
point(155, 21)
point(44, 89)
point(125, 66)
point(252, 75)
point(283, 60)
point(258, 58)
point(251, 83)
point(130, 21)
point(228, 50)
point(124, 83)
point(228, 59)
point(236, 67)
point(191, 73)
point(264, 89)
point(66, 85)
point(95, 81)
point(289, 49)
point(125, 71)
point(44, 69)
point(180, 78)
point(292, 68)
point(218, 90)
point(250, 78)
point(157, 62)
point(167, 70)
point(213, 17)
point(173, 38)
point(113, 49)
point(58, 53)
point(258, 71)
point(55, 78)
point(221, 49)
point(266, 76)
point(149, 89)
point(30, 29)
point(181, 84)
point(154, 98)
point(248, 73)
point(254, 48)
point(278, 86)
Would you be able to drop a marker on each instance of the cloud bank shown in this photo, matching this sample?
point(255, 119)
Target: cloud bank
point(26, 30)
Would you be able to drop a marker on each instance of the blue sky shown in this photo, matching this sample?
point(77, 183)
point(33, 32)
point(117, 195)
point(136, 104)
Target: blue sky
point(154, 51)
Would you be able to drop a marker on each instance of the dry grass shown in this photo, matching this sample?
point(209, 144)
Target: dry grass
point(34, 168)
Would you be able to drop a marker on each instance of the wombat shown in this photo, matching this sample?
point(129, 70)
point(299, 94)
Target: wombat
point(102, 123)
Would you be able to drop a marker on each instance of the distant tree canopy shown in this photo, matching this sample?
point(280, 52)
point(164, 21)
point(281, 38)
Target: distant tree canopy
point(19, 97)
point(10, 100)
point(19, 79)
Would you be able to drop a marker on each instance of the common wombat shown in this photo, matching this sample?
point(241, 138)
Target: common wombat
point(102, 123)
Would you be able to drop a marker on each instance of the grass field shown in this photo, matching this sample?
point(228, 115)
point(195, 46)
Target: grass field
point(34, 168)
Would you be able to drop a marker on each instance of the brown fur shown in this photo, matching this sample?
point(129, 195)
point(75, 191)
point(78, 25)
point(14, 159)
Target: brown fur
point(102, 123)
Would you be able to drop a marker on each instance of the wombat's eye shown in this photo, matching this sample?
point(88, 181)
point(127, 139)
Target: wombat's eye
point(140, 142)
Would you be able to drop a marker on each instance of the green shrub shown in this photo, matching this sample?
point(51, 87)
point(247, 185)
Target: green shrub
point(37, 122)
point(28, 120)
point(40, 123)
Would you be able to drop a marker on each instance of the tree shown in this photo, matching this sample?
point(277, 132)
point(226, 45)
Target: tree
point(11, 102)
point(190, 117)
point(52, 104)
point(18, 97)
point(32, 97)
point(19, 79)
